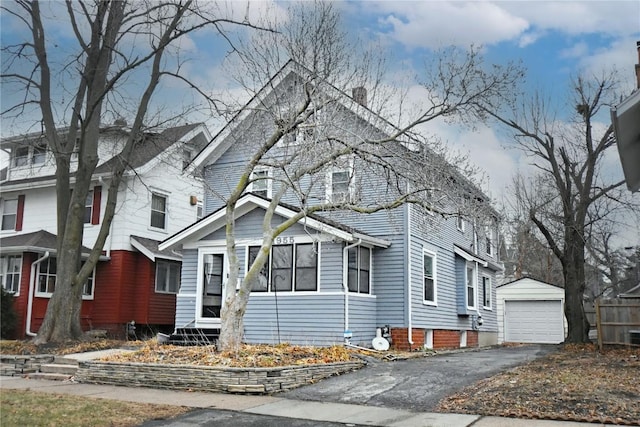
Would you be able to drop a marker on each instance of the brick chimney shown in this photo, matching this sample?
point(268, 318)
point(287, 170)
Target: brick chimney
point(638, 64)
point(359, 94)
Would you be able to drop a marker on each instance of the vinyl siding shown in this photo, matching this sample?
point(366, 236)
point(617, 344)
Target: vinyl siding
point(302, 319)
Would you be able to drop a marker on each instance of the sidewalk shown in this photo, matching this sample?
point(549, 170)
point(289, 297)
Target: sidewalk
point(272, 405)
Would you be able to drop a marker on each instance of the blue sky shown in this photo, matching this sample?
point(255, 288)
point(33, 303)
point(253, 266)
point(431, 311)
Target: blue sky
point(553, 39)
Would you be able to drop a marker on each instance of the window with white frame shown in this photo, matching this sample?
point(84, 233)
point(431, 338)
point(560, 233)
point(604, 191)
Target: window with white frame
point(261, 182)
point(289, 267)
point(359, 269)
point(486, 292)
point(88, 207)
point(489, 243)
point(471, 285)
point(158, 211)
point(341, 184)
point(460, 223)
point(9, 213)
point(47, 272)
point(199, 210)
point(27, 155)
point(21, 156)
point(305, 134)
point(10, 266)
point(39, 154)
point(167, 276)
point(429, 277)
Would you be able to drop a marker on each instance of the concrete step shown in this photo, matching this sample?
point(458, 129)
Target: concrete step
point(49, 376)
point(54, 368)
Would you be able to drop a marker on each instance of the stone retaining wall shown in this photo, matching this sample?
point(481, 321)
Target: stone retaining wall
point(209, 378)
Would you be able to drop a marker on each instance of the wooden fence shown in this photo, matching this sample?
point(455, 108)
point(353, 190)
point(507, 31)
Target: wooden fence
point(618, 320)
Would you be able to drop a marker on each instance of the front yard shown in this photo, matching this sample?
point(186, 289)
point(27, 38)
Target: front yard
point(578, 383)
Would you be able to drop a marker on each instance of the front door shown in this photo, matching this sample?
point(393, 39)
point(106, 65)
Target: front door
point(214, 278)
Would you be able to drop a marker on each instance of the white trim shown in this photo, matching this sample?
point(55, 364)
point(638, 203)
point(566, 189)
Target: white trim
point(490, 306)
point(199, 319)
point(268, 180)
point(474, 267)
point(246, 204)
point(5, 272)
point(460, 224)
point(165, 195)
point(434, 257)
point(469, 256)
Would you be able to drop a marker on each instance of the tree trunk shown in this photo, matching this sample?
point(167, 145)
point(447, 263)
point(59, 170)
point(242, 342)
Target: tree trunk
point(232, 328)
point(574, 282)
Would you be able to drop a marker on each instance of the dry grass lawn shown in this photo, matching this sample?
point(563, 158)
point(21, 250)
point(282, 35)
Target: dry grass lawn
point(578, 383)
point(29, 408)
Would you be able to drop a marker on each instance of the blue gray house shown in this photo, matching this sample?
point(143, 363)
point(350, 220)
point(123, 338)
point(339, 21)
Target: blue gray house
point(335, 274)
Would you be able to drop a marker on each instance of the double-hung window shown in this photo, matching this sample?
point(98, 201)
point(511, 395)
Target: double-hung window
point(261, 182)
point(486, 292)
point(47, 273)
point(289, 267)
point(489, 240)
point(10, 266)
point(340, 182)
point(39, 154)
point(21, 156)
point(9, 214)
point(429, 277)
point(471, 285)
point(359, 270)
point(158, 211)
point(460, 223)
point(167, 276)
point(88, 207)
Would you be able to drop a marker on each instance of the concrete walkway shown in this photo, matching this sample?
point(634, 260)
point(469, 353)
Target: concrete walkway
point(275, 406)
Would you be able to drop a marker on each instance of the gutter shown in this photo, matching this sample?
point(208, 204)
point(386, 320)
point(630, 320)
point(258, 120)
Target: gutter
point(32, 283)
point(345, 285)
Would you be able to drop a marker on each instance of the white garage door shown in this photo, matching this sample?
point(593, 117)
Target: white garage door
point(534, 321)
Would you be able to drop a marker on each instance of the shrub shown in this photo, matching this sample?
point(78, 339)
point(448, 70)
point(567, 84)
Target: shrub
point(8, 318)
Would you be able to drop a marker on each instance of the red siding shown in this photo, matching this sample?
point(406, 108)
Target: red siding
point(124, 291)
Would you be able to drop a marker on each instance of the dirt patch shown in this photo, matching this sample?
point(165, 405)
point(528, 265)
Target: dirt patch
point(578, 383)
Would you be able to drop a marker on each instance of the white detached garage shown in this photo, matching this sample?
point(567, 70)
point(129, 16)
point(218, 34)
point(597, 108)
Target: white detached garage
point(530, 311)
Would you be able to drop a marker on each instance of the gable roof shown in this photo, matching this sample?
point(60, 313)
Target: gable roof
point(215, 149)
point(248, 203)
point(149, 248)
point(529, 278)
point(39, 242)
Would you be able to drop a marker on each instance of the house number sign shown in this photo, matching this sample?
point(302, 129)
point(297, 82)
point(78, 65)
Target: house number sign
point(285, 240)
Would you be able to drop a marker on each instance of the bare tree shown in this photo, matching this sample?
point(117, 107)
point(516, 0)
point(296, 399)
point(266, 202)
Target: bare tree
point(120, 51)
point(571, 192)
point(301, 123)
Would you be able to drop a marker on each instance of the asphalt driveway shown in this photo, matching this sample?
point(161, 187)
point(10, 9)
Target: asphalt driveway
point(417, 384)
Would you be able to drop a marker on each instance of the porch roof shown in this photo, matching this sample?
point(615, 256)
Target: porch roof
point(40, 241)
point(250, 201)
point(149, 248)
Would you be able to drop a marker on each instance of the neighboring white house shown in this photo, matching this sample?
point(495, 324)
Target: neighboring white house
point(530, 311)
point(156, 198)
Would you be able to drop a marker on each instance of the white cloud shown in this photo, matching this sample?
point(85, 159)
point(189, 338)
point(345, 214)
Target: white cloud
point(433, 24)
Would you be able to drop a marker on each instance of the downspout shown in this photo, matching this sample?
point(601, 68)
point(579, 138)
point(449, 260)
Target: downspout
point(32, 283)
point(345, 285)
point(409, 311)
